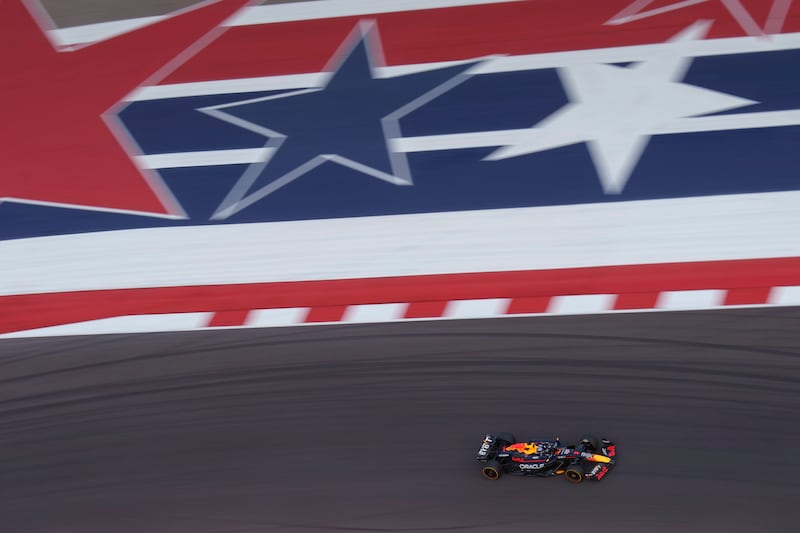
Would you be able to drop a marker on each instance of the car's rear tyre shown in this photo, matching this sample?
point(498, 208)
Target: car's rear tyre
point(590, 442)
point(575, 473)
point(492, 470)
point(504, 439)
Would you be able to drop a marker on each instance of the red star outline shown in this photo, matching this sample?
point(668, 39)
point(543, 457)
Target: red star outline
point(61, 141)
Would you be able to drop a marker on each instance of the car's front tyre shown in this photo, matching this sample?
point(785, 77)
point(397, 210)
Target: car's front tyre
point(575, 473)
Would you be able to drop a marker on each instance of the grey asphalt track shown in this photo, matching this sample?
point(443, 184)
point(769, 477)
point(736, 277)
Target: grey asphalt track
point(374, 427)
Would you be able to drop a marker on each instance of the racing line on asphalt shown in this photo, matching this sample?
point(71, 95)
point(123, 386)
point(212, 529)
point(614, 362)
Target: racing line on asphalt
point(375, 427)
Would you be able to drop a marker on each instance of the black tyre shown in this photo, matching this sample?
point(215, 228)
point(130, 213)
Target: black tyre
point(575, 473)
point(590, 442)
point(504, 439)
point(492, 470)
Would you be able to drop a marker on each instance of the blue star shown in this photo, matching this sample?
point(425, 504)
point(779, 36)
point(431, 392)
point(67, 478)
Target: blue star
point(350, 121)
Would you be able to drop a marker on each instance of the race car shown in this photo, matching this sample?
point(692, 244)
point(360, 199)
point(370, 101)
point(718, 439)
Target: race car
point(590, 458)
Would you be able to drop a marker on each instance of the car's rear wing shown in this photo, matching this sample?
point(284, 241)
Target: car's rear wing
point(488, 448)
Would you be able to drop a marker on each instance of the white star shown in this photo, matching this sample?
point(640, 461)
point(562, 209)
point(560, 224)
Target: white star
point(615, 110)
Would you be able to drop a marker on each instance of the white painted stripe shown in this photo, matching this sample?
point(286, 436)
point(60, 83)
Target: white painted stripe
point(100, 31)
point(579, 304)
point(698, 299)
point(276, 317)
point(737, 121)
point(375, 312)
point(642, 52)
point(633, 12)
point(620, 233)
point(205, 158)
point(743, 17)
point(621, 54)
point(270, 83)
point(457, 141)
point(343, 8)
point(784, 296)
point(777, 16)
point(245, 85)
point(267, 14)
point(122, 324)
point(26, 201)
point(483, 308)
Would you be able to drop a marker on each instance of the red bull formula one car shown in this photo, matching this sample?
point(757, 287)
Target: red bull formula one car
point(591, 458)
